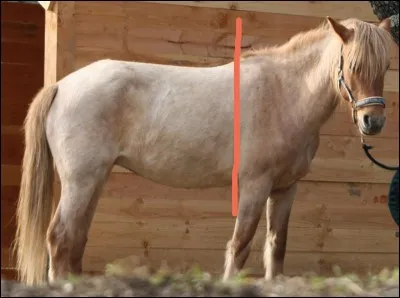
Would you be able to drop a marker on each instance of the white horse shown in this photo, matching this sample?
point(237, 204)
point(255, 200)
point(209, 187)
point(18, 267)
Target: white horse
point(174, 125)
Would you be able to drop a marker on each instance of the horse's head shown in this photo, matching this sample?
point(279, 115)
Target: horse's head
point(363, 60)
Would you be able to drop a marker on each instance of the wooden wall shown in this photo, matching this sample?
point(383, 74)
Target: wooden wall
point(340, 215)
point(22, 57)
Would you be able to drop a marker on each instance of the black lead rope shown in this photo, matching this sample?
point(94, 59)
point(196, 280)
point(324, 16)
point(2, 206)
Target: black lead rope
point(366, 150)
point(393, 196)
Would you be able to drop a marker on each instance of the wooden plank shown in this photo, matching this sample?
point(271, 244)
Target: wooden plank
point(17, 53)
point(9, 274)
point(336, 9)
point(22, 13)
point(22, 33)
point(392, 81)
point(341, 159)
point(130, 198)
point(13, 73)
point(115, 25)
point(214, 234)
point(10, 175)
point(11, 129)
point(9, 197)
point(183, 17)
point(7, 258)
point(12, 148)
point(86, 56)
point(159, 47)
point(180, 24)
point(296, 263)
point(349, 149)
point(15, 100)
point(101, 8)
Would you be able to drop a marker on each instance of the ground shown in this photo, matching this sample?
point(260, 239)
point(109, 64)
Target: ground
point(140, 282)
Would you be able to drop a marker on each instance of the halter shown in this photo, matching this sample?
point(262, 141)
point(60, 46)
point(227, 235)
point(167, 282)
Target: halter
point(356, 105)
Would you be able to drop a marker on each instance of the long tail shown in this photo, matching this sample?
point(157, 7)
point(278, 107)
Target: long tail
point(35, 204)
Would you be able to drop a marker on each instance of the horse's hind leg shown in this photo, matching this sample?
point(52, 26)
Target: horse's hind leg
point(279, 205)
point(253, 195)
point(67, 232)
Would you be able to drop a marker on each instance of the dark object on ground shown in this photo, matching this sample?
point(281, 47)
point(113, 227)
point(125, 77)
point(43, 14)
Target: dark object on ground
point(393, 201)
point(386, 9)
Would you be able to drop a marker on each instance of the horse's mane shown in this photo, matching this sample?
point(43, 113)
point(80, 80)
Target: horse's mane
point(368, 54)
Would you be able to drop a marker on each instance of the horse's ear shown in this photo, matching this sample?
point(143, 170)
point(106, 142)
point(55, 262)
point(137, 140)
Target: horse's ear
point(344, 33)
point(385, 24)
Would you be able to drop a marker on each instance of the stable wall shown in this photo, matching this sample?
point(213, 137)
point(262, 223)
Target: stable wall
point(340, 215)
point(22, 70)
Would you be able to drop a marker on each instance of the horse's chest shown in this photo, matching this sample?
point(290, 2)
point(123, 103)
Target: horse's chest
point(296, 163)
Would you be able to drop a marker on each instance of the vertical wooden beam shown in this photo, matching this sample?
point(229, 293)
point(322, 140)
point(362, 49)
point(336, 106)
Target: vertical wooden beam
point(59, 41)
point(59, 53)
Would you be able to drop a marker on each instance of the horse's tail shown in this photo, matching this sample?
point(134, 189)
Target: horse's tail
point(35, 204)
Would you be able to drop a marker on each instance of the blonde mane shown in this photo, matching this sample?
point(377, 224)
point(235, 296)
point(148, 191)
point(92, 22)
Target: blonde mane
point(368, 52)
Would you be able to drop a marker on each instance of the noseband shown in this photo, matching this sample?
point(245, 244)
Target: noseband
point(356, 105)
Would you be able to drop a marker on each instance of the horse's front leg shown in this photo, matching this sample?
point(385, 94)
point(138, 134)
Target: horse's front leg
point(278, 209)
point(253, 192)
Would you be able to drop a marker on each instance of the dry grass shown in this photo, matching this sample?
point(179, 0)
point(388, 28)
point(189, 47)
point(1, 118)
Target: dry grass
point(120, 280)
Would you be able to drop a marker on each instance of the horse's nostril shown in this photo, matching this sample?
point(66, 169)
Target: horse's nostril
point(367, 121)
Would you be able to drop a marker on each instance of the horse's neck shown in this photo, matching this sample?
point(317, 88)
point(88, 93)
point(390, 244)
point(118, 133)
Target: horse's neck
point(314, 82)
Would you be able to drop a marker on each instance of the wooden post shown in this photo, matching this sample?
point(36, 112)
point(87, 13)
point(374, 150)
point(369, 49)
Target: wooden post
point(59, 59)
point(59, 51)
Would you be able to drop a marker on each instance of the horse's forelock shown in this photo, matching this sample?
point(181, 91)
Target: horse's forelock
point(369, 51)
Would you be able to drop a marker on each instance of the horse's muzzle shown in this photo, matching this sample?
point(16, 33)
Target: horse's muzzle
point(371, 125)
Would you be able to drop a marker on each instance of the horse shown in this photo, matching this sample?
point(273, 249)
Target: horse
point(174, 125)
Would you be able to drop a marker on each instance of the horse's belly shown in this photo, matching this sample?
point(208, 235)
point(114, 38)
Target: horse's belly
point(179, 169)
point(189, 179)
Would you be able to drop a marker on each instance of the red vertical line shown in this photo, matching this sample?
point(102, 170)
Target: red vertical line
point(236, 118)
